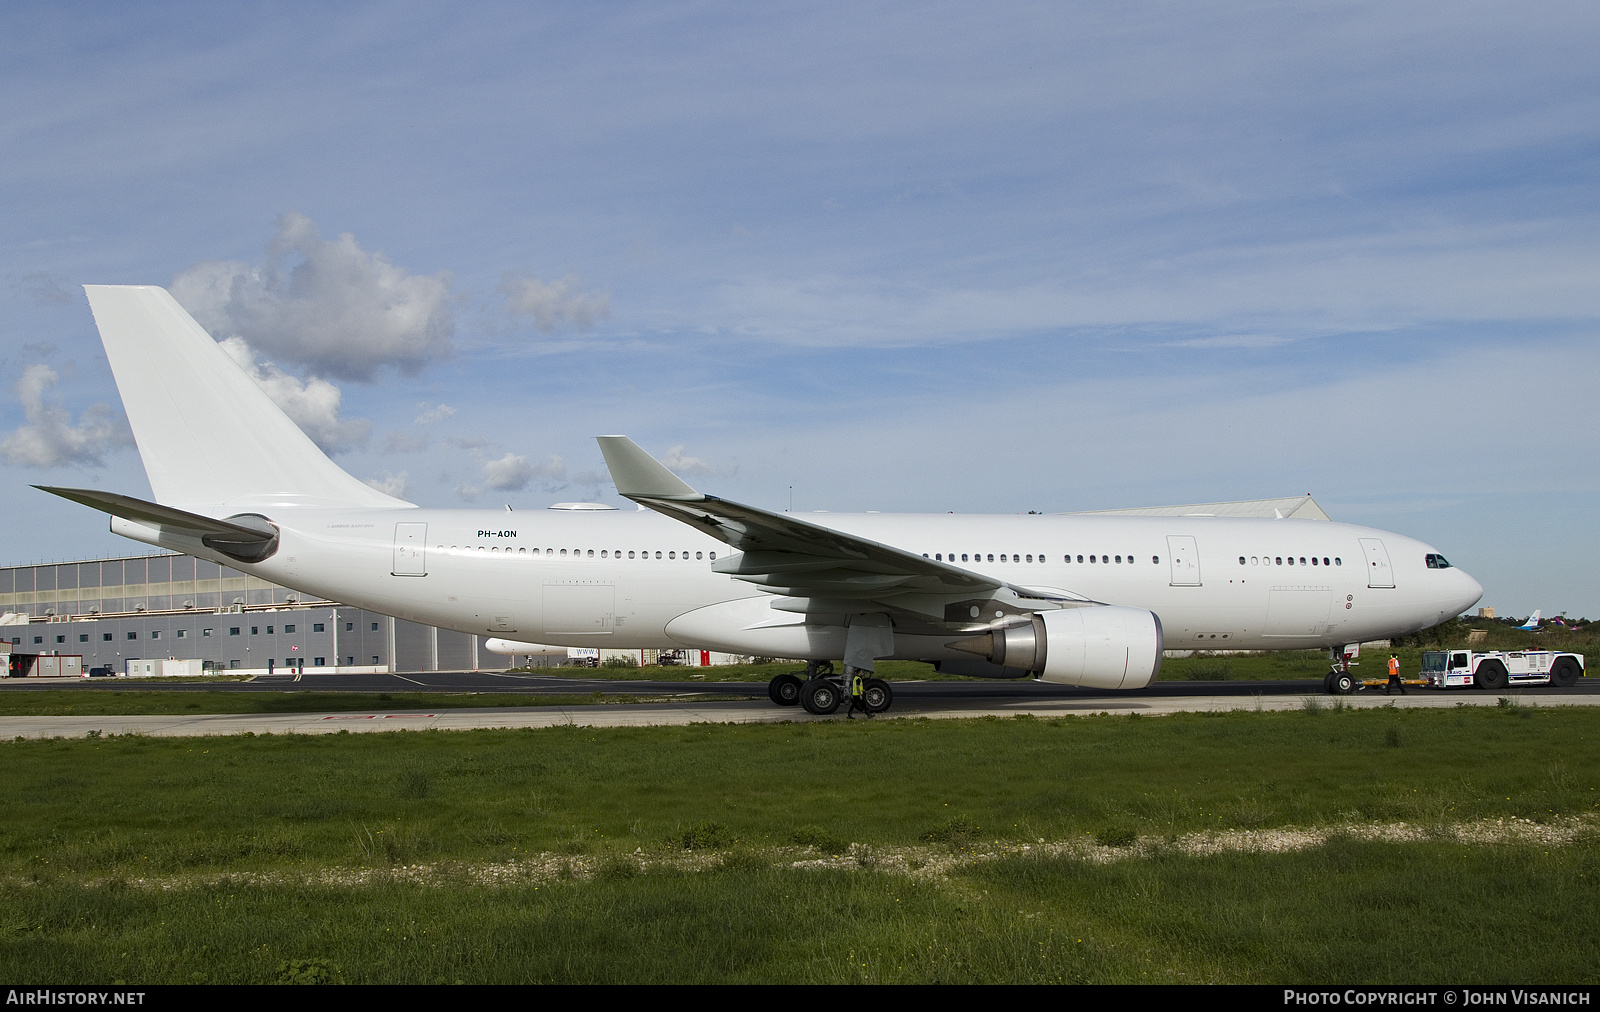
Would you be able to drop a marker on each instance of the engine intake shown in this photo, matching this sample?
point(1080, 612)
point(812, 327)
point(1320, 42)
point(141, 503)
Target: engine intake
point(1104, 647)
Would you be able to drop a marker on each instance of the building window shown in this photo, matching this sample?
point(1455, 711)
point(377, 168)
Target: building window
point(317, 627)
point(205, 632)
point(374, 629)
point(318, 662)
point(287, 629)
point(40, 639)
point(133, 636)
point(349, 660)
point(83, 637)
point(183, 634)
point(233, 630)
point(255, 630)
point(61, 639)
point(269, 630)
point(155, 634)
point(349, 626)
point(375, 659)
point(106, 637)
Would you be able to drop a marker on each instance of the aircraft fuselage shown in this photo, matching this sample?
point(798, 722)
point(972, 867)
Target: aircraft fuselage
point(633, 579)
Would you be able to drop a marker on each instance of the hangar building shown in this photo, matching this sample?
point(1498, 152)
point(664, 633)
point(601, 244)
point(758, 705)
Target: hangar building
point(113, 611)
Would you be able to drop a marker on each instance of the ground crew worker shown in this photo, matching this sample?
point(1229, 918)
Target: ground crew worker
point(1394, 677)
point(858, 698)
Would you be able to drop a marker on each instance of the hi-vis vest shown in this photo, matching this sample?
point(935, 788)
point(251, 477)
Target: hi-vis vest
point(1394, 666)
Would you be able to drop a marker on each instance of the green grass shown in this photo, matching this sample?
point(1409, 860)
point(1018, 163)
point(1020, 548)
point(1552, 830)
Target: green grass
point(1341, 913)
point(88, 820)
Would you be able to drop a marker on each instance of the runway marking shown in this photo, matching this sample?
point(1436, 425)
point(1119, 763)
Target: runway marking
point(413, 681)
point(403, 716)
point(350, 716)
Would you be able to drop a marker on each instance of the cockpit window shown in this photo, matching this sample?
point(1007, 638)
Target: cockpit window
point(1437, 561)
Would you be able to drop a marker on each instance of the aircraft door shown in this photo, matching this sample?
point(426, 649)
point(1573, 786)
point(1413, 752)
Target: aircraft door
point(410, 550)
point(1379, 572)
point(1185, 557)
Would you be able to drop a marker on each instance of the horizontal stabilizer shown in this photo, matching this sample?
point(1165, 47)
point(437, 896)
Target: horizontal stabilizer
point(246, 538)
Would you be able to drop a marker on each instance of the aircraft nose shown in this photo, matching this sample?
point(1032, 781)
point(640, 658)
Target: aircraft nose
point(1471, 592)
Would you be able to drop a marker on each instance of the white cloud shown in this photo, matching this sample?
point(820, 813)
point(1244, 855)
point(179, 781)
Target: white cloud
point(49, 438)
point(553, 303)
point(339, 311)
point(391, 484)
point(513, 472)
point(313, 404)
point(468, 492)
point(681, 462)
point(435, 414)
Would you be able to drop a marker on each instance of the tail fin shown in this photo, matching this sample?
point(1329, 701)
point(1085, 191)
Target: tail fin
point(1532, 623)
point(208, 435)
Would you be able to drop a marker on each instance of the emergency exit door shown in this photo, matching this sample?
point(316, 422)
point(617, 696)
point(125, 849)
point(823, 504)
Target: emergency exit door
point(1379, 573)
point(1185, 560)
point(410, 550)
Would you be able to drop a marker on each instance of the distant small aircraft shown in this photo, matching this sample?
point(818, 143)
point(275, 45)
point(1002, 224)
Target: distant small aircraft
point(1532, 625)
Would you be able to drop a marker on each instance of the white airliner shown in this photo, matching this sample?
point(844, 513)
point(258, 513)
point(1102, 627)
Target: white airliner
point(1075, 599)
point(1532, 625)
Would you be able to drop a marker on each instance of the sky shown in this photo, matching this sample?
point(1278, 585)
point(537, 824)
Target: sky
point(983, 258)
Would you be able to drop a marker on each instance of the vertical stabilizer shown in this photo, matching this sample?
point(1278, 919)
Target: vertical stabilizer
point(208, 435)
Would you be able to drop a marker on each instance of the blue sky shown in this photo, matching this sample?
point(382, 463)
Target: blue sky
point(983, 258)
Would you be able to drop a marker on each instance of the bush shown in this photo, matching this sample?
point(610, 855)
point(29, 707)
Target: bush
point(619, 662)
point(707, 836)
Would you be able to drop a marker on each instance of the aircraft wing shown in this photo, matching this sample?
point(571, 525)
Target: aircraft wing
point(816, 569)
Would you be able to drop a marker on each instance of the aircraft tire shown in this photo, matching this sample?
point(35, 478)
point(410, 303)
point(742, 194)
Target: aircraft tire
point(785, 690)
point(1327, 683)
point(877, 695)
point(1565, 673)
point(1343, 683)
point(820, 696)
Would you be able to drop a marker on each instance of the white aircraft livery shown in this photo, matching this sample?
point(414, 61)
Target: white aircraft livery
point(1089, 600)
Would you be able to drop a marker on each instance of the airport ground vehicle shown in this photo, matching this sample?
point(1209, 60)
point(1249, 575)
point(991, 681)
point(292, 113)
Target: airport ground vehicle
point(1495, 669)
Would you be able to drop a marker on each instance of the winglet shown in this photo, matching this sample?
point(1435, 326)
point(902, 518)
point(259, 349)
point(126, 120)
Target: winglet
point(637, 474)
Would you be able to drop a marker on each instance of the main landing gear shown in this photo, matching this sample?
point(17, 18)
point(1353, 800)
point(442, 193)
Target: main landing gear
point(819, 691)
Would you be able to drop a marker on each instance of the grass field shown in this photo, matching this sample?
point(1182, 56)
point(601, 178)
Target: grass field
point(1335, 845)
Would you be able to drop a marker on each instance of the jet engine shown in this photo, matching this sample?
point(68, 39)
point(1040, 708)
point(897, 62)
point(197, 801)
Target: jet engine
point(1102, 647)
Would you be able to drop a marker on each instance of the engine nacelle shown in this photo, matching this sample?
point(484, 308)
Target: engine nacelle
point(1101, 647)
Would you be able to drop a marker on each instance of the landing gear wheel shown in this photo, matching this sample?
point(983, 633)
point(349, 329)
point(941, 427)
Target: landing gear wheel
point(1343, 683)
point(820, 696)
point(877, 695)
point(785, 690)
point(1327, 682)
point(1565, 674)
point(1490, 675)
